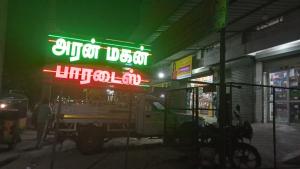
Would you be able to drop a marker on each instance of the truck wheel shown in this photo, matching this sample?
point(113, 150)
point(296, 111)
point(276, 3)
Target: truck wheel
point(90, 139)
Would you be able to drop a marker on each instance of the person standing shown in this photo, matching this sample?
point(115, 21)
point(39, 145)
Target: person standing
point(43, 111)
point(237, 112)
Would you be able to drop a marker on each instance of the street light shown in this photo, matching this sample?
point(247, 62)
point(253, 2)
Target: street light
point(161, 75)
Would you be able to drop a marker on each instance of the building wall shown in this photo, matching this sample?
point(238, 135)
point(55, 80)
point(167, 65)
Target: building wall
point(3, 21)
point(242, 71)
point(242, 44)
point(246, 69)
point(278, 34)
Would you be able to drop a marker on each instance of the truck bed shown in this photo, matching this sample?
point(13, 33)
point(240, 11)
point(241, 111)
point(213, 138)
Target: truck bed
point(95, 113)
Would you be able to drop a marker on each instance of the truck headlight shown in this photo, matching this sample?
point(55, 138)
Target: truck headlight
point(3, 105)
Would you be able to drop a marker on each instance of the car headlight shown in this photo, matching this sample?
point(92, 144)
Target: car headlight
point(3, 106)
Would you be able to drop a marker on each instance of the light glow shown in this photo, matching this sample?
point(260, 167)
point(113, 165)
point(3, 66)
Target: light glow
point(78, 51)
point(75, 49)
point(161, 75)
point(101, 43)
point(110, 92)
point(124, 56)
point(199, 70)
point(119, 78)
point(89, 75)
point(2, 105)
point(276, 48)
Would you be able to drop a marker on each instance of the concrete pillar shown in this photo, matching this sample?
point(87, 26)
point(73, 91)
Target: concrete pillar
point(265, 98)
point(258, 116)
point(3, 23)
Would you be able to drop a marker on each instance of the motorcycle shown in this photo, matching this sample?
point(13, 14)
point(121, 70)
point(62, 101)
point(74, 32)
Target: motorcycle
point(229, 143)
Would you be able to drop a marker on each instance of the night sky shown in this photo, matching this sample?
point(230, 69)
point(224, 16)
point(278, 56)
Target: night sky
point(27, 30)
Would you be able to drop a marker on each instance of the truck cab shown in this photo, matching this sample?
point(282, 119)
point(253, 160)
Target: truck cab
point(150, 116)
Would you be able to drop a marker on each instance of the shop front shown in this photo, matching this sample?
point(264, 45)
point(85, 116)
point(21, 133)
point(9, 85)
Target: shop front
point(284, 72)
point(183, 71)
point(238, 70)
point(206, 98)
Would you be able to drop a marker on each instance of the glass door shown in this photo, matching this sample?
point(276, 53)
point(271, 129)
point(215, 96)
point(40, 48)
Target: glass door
point(294, 78)
point(206, 99)
point(281, 96)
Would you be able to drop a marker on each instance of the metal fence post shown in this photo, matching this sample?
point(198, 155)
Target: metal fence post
point(274, 128)
point(165, 117)
point(56, 130)
point(197, 106)
point(128, 131)
point(230, 106)
point(193, 104)
point(222, 108)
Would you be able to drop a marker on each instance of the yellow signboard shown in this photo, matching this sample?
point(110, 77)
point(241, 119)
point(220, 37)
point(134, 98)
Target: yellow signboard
point(182, 68)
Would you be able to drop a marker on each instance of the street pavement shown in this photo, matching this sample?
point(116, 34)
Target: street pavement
point(112, 157)
point(27, 144)
point(145, 153)
point(287, 144)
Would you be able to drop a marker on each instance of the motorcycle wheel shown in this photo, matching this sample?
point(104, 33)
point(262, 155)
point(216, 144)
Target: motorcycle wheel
point(245, 156)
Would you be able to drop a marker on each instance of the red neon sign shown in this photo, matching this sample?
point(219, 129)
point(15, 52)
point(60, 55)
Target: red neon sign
point(88, 75)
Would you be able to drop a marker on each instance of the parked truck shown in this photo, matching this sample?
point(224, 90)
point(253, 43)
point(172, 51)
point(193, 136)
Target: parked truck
point(91, 121)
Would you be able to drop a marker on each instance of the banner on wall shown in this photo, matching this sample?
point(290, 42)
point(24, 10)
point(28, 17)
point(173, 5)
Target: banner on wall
point(182, 68)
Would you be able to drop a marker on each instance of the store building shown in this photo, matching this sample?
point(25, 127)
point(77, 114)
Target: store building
point(262, 47)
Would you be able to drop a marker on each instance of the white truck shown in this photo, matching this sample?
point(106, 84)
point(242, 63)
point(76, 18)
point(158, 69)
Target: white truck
point(91, 124)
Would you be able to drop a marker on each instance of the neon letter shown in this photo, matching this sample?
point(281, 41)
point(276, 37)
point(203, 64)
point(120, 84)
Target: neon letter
point(74, 71)
point(113, 80)
point(146, 54)
point(58, 73)
point(76, 50)
point(101, 76)
point(126, 56)
point(137, 58)
point(112, 54)
point(90, 51)
point(137, 80)
point(86, 76)
point(131, 79)
point(60, 47)
point(140, 58)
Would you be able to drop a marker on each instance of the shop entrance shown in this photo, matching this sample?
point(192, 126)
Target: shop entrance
point(287, 101)
point(207, 99)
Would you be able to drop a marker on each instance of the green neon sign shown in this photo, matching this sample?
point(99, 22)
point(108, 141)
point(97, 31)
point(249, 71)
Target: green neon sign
point(79, 49)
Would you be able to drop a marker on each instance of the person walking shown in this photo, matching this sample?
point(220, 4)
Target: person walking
point(43, 111)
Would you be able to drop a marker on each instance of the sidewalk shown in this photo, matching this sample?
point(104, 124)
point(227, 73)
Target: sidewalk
point(287, 144)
